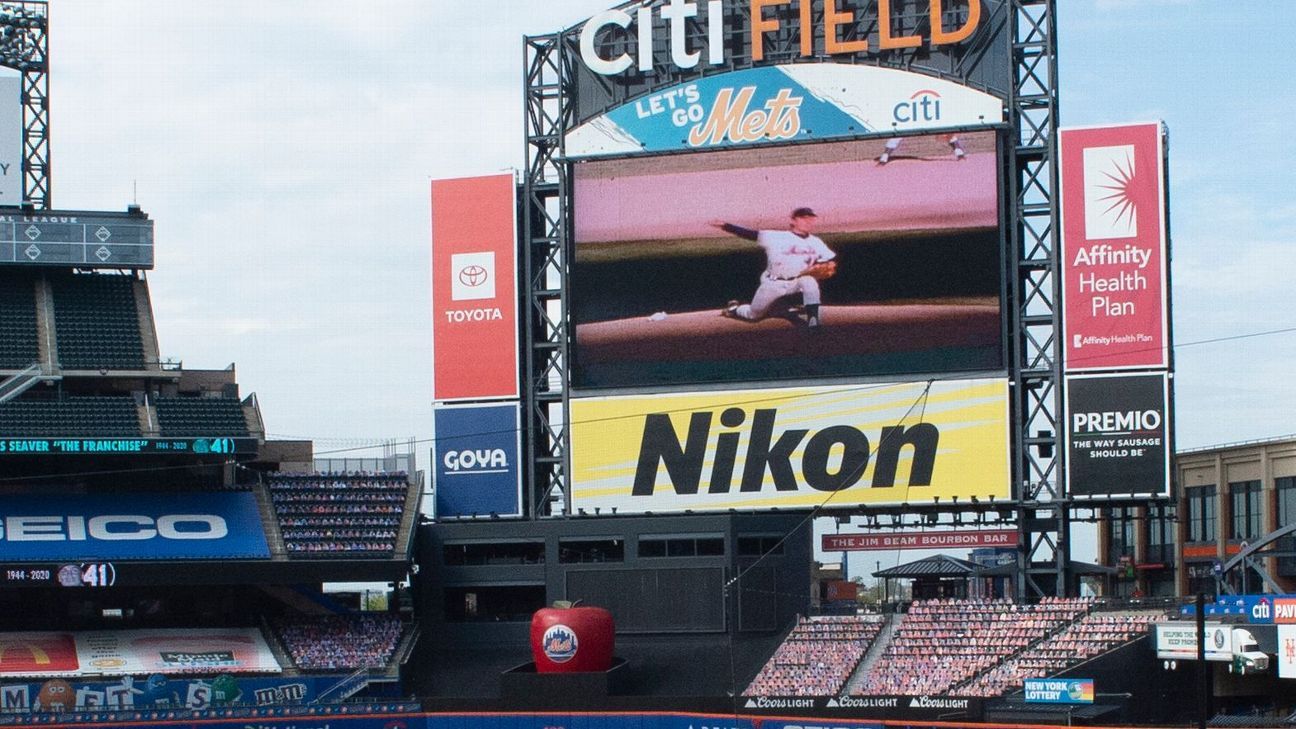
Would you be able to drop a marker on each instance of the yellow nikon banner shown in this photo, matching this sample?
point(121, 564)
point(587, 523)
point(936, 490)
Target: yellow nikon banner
point(791, 448)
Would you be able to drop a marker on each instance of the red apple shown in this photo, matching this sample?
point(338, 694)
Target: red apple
point(570, 639)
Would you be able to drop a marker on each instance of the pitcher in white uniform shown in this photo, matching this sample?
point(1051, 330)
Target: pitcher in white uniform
point(788, 254)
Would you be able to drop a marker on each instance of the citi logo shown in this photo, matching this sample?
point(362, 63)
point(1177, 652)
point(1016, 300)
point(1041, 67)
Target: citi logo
point(494, 460)
point(922, 106)
point(774, 451)
point(1261, 610)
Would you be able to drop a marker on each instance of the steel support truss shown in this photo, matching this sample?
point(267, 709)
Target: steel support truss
point(544, 219)
point(24, 47)
point(1044, 551)
point(1041, 508)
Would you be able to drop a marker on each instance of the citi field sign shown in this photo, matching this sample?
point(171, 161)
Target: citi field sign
point(794, 448)
point(677, 75)
point(625, 39)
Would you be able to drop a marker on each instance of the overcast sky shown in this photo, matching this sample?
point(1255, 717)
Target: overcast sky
point(284, 150)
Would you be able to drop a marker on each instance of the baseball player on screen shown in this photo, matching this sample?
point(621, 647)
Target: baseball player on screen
point(795, 261)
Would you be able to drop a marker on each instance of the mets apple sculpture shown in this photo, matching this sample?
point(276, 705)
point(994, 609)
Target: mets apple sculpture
point(571, 638)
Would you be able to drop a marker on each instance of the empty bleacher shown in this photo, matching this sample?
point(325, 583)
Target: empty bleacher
point(817, 657)
point(97, 322)
point(19, 344)
point(102, 416)
point(200, 417)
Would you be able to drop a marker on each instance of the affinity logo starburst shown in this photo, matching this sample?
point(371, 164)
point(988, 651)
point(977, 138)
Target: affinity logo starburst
point(1110, 184)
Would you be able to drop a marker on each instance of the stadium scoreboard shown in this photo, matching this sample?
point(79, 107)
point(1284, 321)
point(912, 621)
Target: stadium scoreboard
point(63, 239)
point(128, 446)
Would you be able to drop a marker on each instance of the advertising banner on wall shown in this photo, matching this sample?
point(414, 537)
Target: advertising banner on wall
point(474, 288)
point(1118, 433)
point(944, 539)
point(159, 692)
point(1114, 243)
point(1178, 641)
point(772, 104)
point(695, 269)
point(1287, 651)
point(136, 526)
point(477, 460)
point(135, 652)
point(1059, 690)
point(793, 448)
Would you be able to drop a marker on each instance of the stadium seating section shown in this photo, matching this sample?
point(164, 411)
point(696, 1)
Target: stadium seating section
point(958, 647)
point(97, 322)
point(18, 333)
point(1091, 635)
point(197, 417)
point(341, 642)
point(90, 417)
point(942, 643)
point(817, 657)
point(330, 513)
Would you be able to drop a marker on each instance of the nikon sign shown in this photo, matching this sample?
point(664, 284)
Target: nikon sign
point(792, 448)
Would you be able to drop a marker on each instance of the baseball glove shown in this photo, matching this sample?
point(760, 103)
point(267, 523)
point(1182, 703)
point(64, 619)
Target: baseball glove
point(821, 271)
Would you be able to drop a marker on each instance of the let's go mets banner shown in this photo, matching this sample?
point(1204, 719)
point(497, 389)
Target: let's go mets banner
point(792, 448)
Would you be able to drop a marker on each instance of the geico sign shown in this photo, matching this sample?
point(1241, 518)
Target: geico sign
point(1115, 421)
point(467, 460)
point(115, 527)
point(771, 452)
point(638, 31)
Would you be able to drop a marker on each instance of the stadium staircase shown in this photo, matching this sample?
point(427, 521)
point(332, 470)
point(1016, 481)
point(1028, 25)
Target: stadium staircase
point(353, 684)
point(404, 648)
point(409, 515)
point(873, 654)
point(46, 336)
point(270, 523)
point(24, 381)
point(281, 654)
point(147, 326)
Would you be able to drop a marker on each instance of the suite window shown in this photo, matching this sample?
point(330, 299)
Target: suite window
point(681, 546)
point(493, 603)
point(575, 551)
point(1160, 538)
point(1286, 487)
point(492, 553)
point(1201, 514)
point(752, 545)
point(1244, 498)
point(1122, 534)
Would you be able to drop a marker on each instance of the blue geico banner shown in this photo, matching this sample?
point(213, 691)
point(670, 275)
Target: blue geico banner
point(1059, 690)
point(794, 102)
point(476, 470)
point(127, 526)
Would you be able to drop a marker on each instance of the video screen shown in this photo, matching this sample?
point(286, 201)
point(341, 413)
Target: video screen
point(842, 259)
